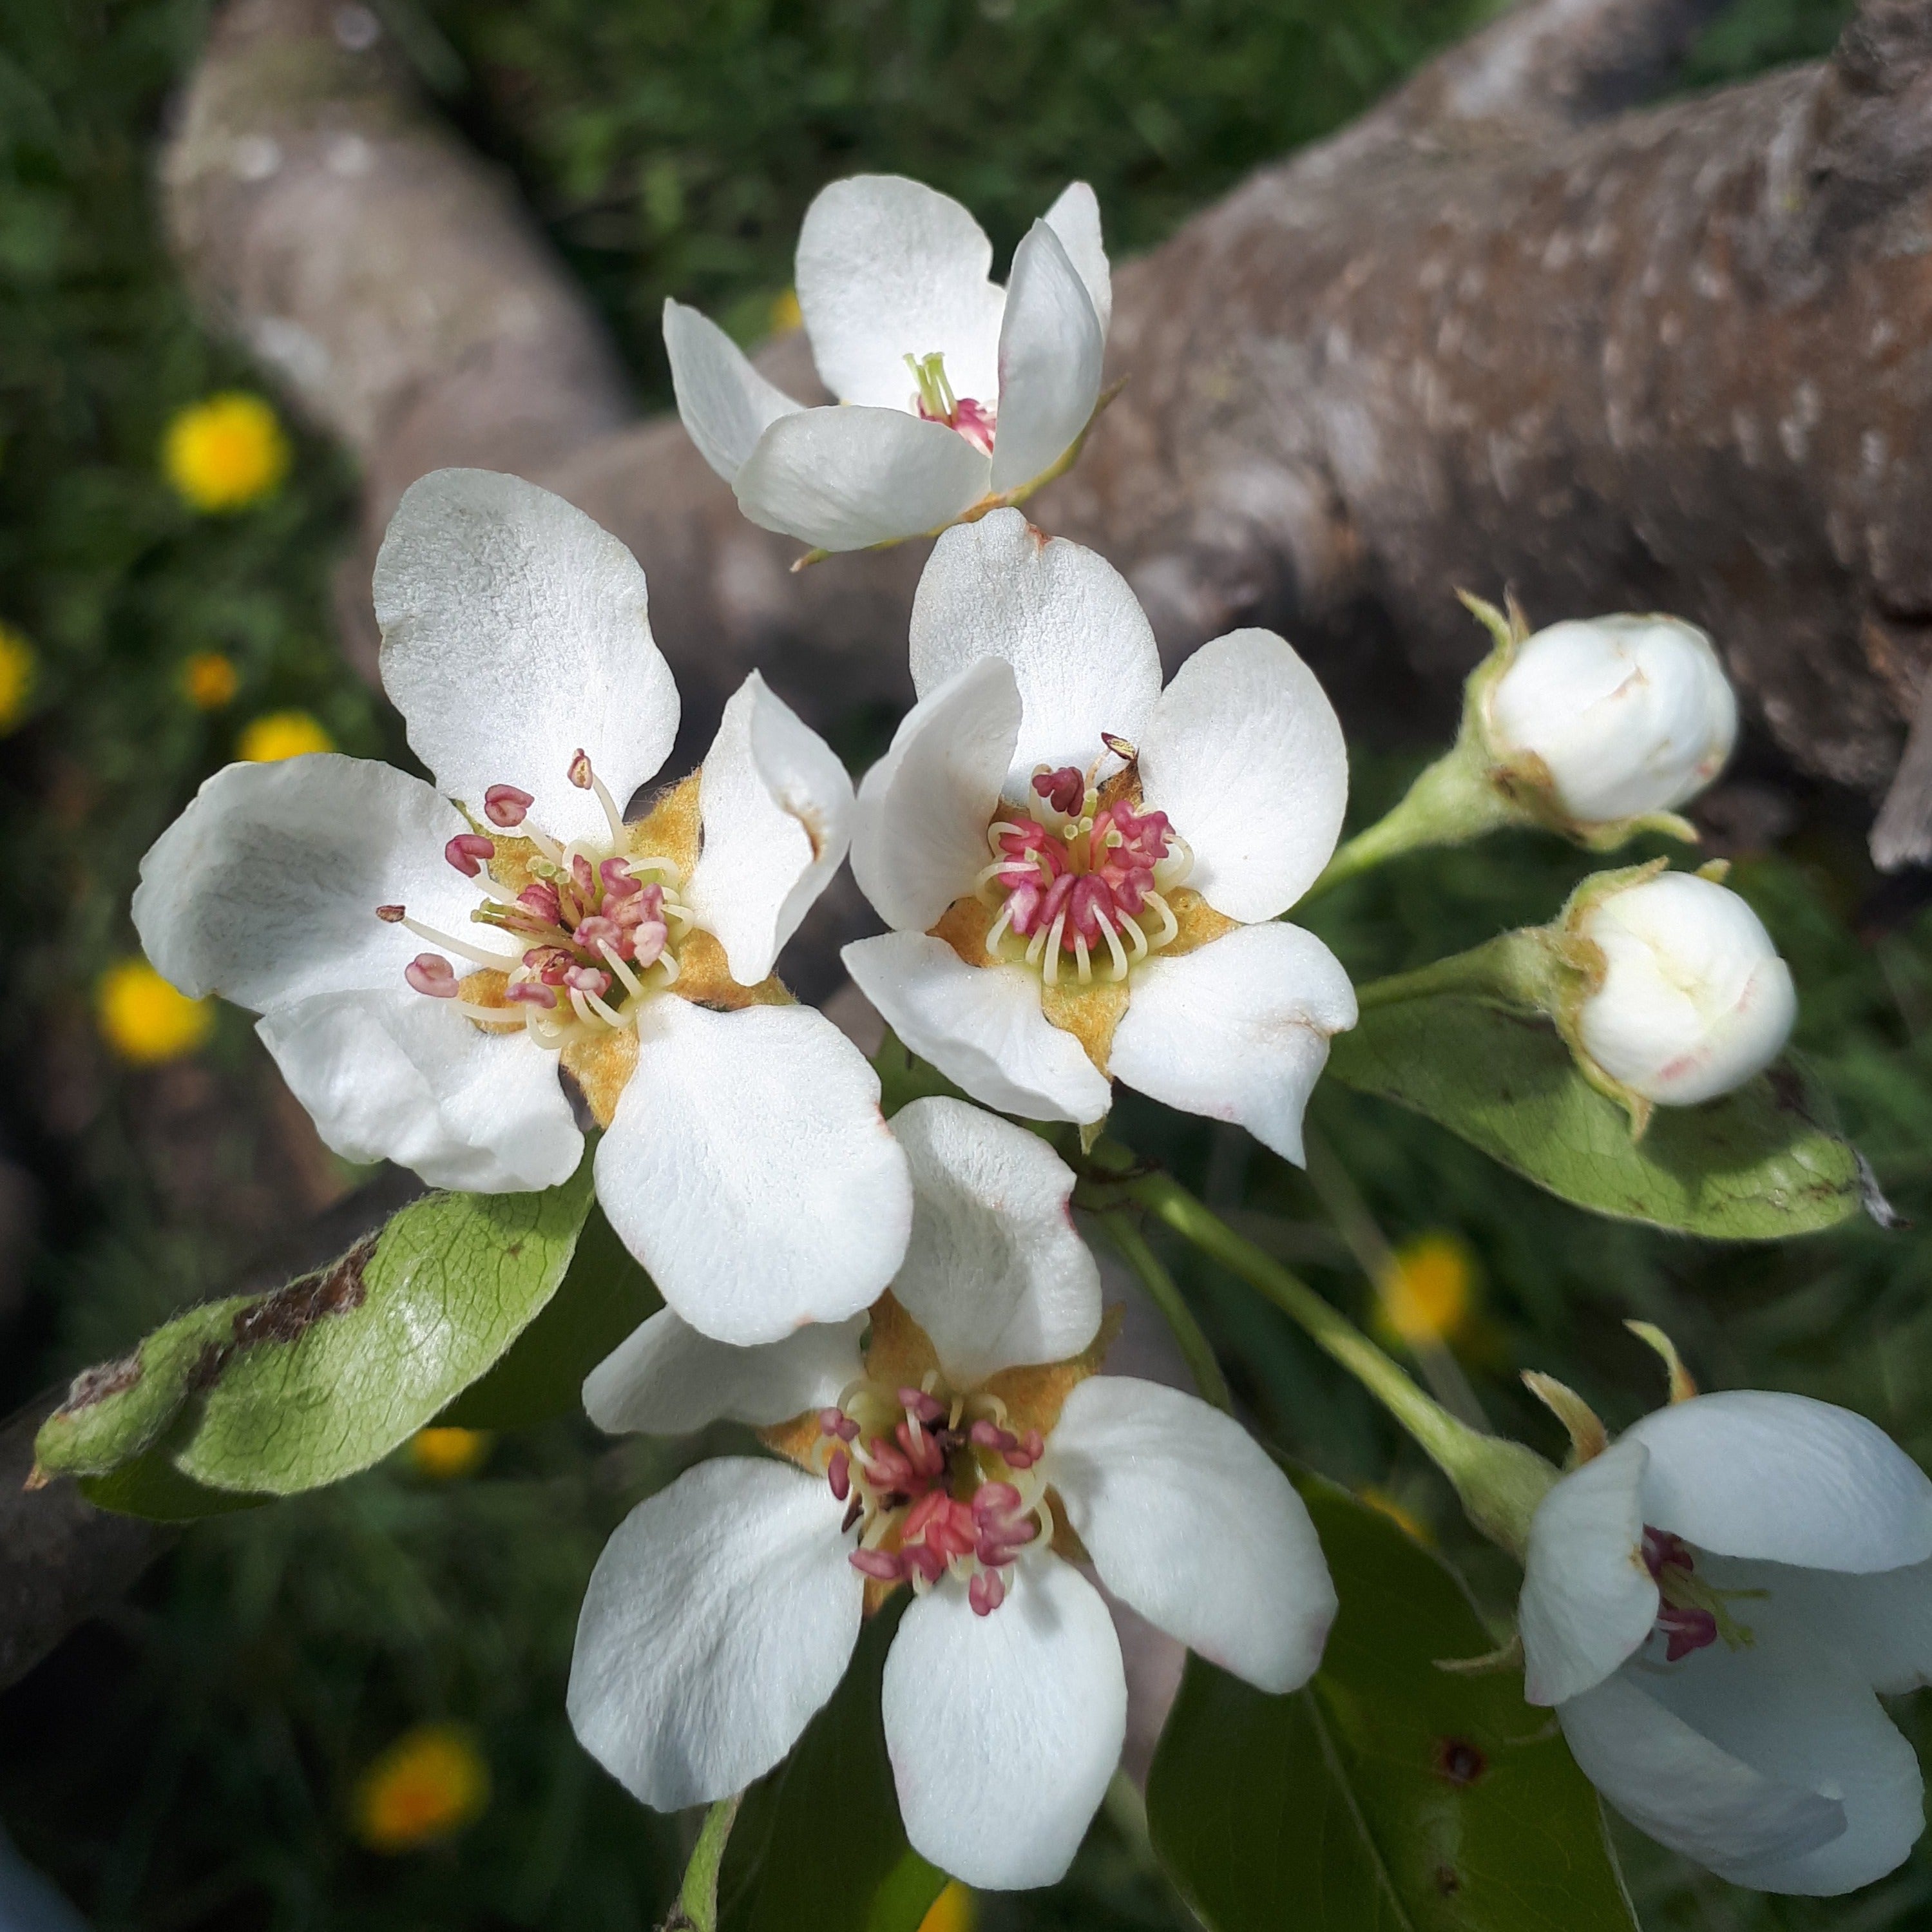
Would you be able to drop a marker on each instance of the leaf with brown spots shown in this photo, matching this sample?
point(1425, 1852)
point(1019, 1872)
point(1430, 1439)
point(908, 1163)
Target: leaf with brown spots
point(1390, 1795)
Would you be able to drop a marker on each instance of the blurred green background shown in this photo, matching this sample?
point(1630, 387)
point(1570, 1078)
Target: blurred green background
point(193, 1760)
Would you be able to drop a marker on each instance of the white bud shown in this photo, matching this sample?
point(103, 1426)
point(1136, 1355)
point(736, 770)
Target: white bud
point(1629, 714)
point(1695, 999)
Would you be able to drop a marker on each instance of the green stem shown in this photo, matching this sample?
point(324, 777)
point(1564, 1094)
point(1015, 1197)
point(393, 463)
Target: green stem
point(1165, 1295)
point(1452, 802)
point(1515, 970)
point(696, 1907)
point(1500, 1482)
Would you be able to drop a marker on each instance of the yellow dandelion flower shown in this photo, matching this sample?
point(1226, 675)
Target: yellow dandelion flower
point(145, 1020)
point(952, 1911)
point(1430, 1294)
point(429, 1784)
point(226, 452)
point(209, 680)
point(282, 734)
point(443, 1453)
point(18, 663)
point(1379, 1500)
point(786, 315)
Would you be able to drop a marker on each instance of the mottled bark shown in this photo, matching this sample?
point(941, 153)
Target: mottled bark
point(1497, 331)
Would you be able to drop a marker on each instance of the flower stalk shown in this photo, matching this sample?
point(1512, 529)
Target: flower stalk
point(1165, 1293)
point(1500, 1482)
point(696, 1907)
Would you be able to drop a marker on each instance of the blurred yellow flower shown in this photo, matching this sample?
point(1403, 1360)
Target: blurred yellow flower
point(1380, 1500)
point(18, 663)
point(429, 1784)
point(210, 679)
point(1430, 1293)
point(226, 452)
point(952, 1911)
point(282, 734)
point(786, 315)
point(145, 1020)
point(447, 1453)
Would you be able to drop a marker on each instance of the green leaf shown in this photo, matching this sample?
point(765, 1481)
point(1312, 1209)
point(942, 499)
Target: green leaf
point(1389, 1795)
point(278, 1393)
point(605, 1296)
point(818, 1846)
point(151, 1487)
point(1760, 1164)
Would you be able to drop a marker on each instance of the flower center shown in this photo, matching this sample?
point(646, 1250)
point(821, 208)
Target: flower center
point(1694, 1613)
point(598, 928)
point(934, 402)
point(935, 1483)
point(1074, 878)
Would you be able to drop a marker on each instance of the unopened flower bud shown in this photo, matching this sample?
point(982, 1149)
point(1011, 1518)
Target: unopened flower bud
point(1628, 715)
point(1694, 999)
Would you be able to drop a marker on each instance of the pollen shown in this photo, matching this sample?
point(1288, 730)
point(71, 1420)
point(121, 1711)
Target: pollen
point(225, 453)
point(429, 1784)
point(209, 680)
point(1429, 1292)
point(19, 665)
point(444, 1454)
point(276, 735)
point(145, 1020)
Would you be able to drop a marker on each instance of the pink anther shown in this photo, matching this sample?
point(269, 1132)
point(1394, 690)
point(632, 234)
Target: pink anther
point(1028, 1453)
point(1065, 789)
point(990, 1435)
point(540, 897)
point(924, 1559)
point(530, 993)
point(618, 883)
point(916, 1402)
point(839, 1474)
point(430, 973)
point(583, 877)
point(467, 851)
point(976, 422)
point(505, 805)
point(836, 1422)
point(1119, 746)
point(1686, 1629)
point(580, 772)
point(392, 915)
point(888, 1566)
point(597, 930)
point(591, 979)
point(986, 1592)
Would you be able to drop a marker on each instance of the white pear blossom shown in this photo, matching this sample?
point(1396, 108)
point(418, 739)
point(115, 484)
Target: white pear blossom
point(423, 957)
point(1694, 999)
point(953, 1453)
point(953, 391)
point(1628, 714)
point(1711, 1605)
point(1083, 871)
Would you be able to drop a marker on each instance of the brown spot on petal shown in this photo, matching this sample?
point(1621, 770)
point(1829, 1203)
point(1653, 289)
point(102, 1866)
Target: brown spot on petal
point(1460, 1761)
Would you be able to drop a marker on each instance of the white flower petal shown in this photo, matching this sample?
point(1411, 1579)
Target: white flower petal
point(1244, 754)
point(720, 1617)
point(1004, 1730)
point(1051, 347)
point(1588, 1601)
point(847, 478)
point(1750, 1472)
point(394, 1075)
point(1880, 1623)
point(994, 1272)
point(1062, 616)
point(1075, 218)
point(747, 1168)
point(1681, 1789)
point(515, 633)
point(777, 810)
point(982, 1026)
point(888, 268)
point(919, 828)
point(726, 405)
point(667, 1379)
point(265, 890)
point(1797, 1712)
point(1188, 1520)
point(1238, 1030)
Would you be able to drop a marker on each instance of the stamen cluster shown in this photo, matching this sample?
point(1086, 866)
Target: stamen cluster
point(592, 927)
point(934, 402)
point(928, 1484)
point(1077, 875)
point(1692, 1615)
